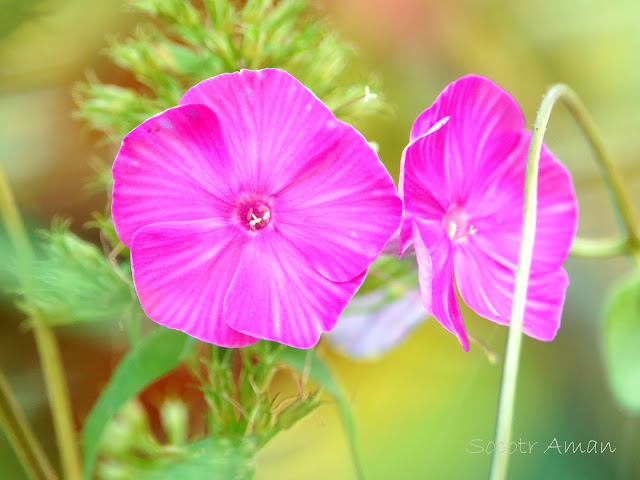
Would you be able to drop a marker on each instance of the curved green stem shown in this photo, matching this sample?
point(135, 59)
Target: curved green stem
point(50, 358)
point(613, 179)
point(589, 248)
point(600, 248)
point(21, 437)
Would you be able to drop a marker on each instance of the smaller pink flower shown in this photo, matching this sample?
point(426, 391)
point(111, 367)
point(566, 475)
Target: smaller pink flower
point(251, 211)
point(373, 323)
point(462, 184)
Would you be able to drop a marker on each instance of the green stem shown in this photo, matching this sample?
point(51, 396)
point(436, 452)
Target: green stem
point(611, 174)
point(600, 248)
point(613, 179)
point(50, 358)
point(508, 382)
point(21, 437)
point(627, 215)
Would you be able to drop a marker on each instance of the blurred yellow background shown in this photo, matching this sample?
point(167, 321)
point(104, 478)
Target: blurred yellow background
point(418, 407)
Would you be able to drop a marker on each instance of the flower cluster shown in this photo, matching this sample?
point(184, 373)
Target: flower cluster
point(253, 213)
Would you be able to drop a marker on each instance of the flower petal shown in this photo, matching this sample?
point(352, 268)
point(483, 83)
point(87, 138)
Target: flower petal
point(170, 168)
point(487, 287)
point(435, 272)
point(276, 295)
point(343, 211)
point(372, 324)
point(276, 125)
point(479, 111)
point(496, 209)
point(182, 271)
point(424, 188)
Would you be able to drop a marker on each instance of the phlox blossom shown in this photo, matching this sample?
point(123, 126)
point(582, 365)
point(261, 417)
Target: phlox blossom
point(373, 323)
point(251, 211)
point(462, 185)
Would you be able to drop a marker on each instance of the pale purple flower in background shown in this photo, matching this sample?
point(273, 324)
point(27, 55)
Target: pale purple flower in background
point(372, 323)
point(251, 211)
point(462, 184)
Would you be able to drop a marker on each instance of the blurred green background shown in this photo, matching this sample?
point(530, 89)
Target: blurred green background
point(417, 408)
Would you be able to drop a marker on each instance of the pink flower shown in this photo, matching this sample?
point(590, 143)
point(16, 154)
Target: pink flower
point(463, 190)
point(375, 322)
point(251, 211)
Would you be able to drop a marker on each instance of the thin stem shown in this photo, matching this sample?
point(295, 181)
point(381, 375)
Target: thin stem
point(611, 173)
point(600, 248)
point(589, 248)
point(492, 356)
point(48, 350)
point(613, 179)
point(506, 401)
point(21, 437)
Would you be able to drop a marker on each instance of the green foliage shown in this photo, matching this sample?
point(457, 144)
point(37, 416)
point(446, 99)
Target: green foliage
point(242, 417)
point(72, 281)
point(204, 460)
point(395, 277)
point(153, 356)
point(309, 364)
point(187, 44)
point(236, 391)
point(622, 343)
point(132, 452)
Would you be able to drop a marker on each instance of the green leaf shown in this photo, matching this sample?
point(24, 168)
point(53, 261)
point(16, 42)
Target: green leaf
point(153, 356)
point(307, 362)
point(622, 343)
point(72, 281)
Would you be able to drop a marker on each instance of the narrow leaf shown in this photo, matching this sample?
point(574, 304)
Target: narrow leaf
point(622, 343)
point(153, 356)
point(307, 361)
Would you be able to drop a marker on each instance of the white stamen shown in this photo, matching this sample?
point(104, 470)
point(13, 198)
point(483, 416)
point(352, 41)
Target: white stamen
point(368, 95)
point(472, 231)
point(254, 220)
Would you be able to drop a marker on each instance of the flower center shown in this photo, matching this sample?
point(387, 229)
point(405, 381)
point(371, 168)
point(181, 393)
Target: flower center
point(456, 223)
point(254, 212)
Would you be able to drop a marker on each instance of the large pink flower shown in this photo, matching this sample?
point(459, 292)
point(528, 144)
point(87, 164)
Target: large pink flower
point(463, 190)
point(251, 211)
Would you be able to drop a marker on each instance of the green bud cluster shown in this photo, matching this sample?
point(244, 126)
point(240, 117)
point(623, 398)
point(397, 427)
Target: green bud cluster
point(187, 44)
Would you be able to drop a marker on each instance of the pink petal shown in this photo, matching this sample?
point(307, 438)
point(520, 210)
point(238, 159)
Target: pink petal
point(182, 271)
point(277, 128)
point(435, 272)
point(342, 212)
point(276, 296)
point(333, 198)
point(497, 207)
point(488, 287)
point(424, 190)
point(479, 111)
point(173, 167)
